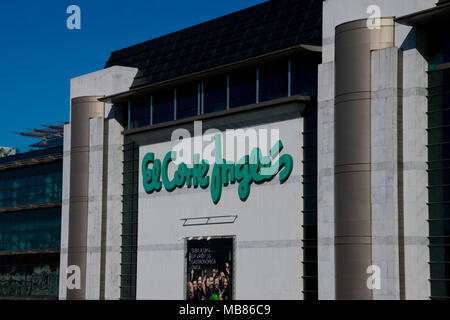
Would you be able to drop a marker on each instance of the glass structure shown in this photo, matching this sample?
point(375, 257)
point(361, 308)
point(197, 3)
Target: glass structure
point(309, 180)
point(140, 112)
point(29, 185)
point(303, 78)
point(30, 224)
point(129, 220)
point(163, 106)
point(268, 81)
point(439, 162)
point(242, 88)
point(30, 229)
point(273, 80)
point(188, 101)
point(214, 94)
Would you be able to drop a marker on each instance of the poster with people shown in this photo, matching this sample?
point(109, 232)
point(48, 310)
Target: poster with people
point(209, 269)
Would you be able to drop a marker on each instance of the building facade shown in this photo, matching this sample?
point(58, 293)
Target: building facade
point(30, 223)
point(291, 150)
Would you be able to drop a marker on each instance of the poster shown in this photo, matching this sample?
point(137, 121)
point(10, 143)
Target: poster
point(209, 269)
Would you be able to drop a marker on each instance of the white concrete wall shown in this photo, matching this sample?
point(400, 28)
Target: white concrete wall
point(65, 215)
point(384, 171)
point(267, 261)
point(103, 82)
point(325, 182)
point(106, 82)
point(95, 208)
point(415, 177)
point(336, 12)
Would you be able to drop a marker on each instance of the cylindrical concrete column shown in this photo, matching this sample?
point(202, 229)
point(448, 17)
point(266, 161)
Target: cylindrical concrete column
point(354, 42)
point(82, 110)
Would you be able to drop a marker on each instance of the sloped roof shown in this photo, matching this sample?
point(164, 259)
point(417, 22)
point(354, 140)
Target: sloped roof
point(258, 30)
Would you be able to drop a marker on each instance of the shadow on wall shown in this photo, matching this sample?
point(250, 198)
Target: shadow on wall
point(411, 42)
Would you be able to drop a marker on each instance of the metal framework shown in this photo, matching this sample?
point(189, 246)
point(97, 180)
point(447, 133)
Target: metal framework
point(49, 135)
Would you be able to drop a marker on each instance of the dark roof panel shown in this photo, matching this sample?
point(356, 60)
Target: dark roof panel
point(261, 29)
point(428, 19)
point(58, 150)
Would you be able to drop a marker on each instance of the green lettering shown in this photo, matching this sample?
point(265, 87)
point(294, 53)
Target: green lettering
point(250, 168)
point(170, 185)
point(151, 177)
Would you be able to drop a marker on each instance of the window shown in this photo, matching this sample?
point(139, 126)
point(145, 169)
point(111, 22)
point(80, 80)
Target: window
point(187, 101)
point(273, 80)
point(242, 88)
point(214, 94)
point(309, 180)
point(28, 185)
point(438, 164)
point(209, 269)
point(129, 219)
point(303, 78)
point(140, 112)
point(30, 230)
point(163, 107)
point(439, 118)
point(439, 49)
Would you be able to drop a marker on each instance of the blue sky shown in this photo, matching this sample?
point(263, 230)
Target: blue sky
point(39, 55)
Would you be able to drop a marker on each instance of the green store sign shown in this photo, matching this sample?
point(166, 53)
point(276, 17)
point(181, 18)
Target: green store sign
point(253, 168)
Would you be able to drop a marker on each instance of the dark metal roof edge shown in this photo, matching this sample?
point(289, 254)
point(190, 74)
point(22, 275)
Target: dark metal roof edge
point(301, 47)
point(23, 163)
point(406, 19)
point(31, 207)
point(29, 251)
point(33, 154)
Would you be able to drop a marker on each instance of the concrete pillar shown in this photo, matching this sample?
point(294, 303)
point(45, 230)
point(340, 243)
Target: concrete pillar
point(88, 195)
point(353, 240)
point(386, 180)
point(95, 207)
point(65, 215)
point(82, 110)
point(113, 192)
point(325, 182)
point(415, 177)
